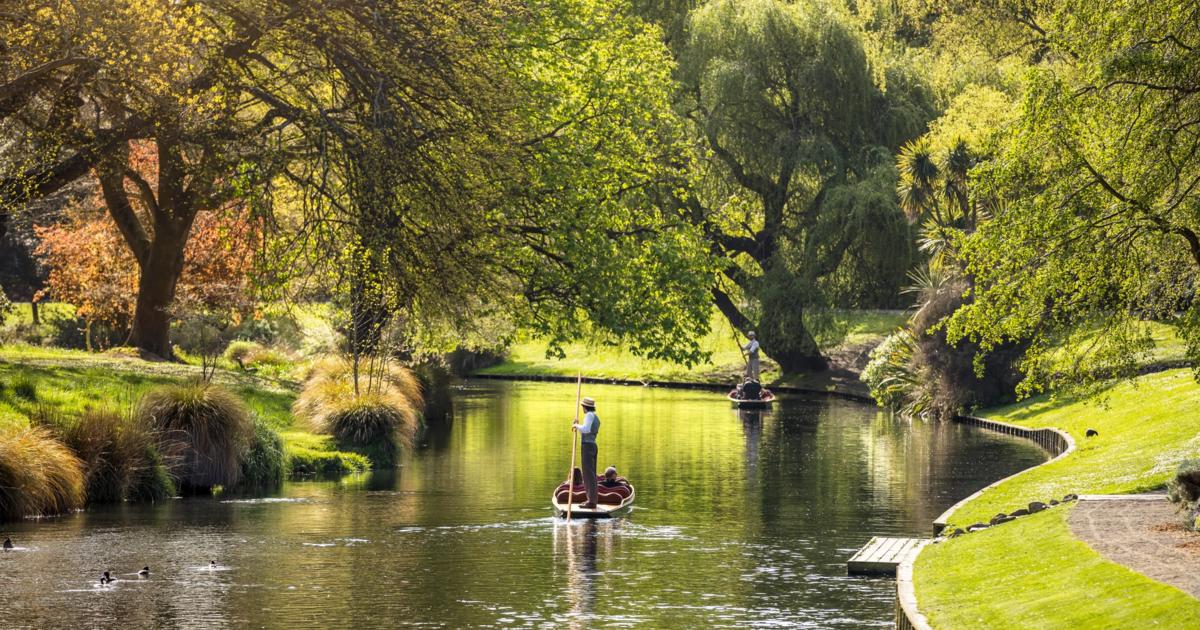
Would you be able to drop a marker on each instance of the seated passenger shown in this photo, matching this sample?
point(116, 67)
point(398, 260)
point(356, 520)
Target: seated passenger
point(751, 390)
point(611, 480)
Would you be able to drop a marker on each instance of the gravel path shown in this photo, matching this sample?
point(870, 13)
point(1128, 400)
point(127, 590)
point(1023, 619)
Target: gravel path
point(1146, 536)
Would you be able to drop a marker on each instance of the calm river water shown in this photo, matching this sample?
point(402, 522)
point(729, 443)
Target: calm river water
point(741, 520)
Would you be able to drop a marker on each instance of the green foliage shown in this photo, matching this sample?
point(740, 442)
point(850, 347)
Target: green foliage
point(888, 373)
point(263, 464)
point(120, 456)
point(39, 476)
point(205, 427)
point(794, 181)
point(1097, 174)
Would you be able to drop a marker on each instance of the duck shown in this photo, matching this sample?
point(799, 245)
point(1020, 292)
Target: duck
point(8, 546)
point(212, 564)
point(144, 572)
point(107, 579)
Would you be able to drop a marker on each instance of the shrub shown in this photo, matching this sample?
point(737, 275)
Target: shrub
point(205, 427)
point(263, 465)
point(39, 476)
point(380, 418)
point(240, 351)
point(120, 456)
point(1184, 491)
point(24, 387)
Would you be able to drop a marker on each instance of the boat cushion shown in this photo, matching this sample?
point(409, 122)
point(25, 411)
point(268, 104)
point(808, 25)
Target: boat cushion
point(605, 496)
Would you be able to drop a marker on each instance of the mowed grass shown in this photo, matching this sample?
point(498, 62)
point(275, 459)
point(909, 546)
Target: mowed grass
point(527, 357)
point(1146, 427)
point(1031, 573)
point(71, 381)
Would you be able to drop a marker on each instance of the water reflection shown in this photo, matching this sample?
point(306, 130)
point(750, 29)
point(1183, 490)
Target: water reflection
point(743, 518)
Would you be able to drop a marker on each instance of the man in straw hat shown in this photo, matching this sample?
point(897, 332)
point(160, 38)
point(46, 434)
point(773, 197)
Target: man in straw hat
point(587, 432)
point(751, 349)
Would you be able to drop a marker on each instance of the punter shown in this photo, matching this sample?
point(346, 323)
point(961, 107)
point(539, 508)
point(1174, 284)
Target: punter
point(587, 432)
point(751, 349)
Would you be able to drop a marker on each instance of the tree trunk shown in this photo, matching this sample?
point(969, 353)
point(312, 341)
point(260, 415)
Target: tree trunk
point(156, 287)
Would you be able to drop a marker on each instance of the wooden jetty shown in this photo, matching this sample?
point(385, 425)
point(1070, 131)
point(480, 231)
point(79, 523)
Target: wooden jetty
point(882, 555)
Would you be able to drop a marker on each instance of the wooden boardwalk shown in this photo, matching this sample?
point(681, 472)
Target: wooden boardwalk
point(882, 555)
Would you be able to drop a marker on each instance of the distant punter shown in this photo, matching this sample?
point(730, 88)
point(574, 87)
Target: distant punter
point(751, 349)
point(587, 432)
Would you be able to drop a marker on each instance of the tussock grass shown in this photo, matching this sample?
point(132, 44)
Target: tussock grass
point(264, 463)
point(205, 427)
point(39, 476)
point(120, 455)
point(383, 416)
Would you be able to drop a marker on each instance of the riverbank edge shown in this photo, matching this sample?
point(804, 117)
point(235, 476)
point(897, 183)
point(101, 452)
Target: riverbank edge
point(696, 385)
point(1055, 441)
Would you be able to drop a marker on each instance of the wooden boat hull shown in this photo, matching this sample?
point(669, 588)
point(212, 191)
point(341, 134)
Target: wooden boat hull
point(761, 403)
point(600, 511)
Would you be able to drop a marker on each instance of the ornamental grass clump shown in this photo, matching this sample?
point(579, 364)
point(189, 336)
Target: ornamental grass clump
point(39, 476)
point(378, 418)
point(204, 427)
point(120, 454)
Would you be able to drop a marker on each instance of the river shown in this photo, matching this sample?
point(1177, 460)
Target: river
point(741, 520)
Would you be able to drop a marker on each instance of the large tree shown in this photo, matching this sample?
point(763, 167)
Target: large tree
point(1100, 177)
point(796, 133)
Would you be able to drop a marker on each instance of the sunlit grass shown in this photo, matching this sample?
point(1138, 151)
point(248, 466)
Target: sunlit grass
point(527, 357)
point(1031, 573)
point(1146, 427)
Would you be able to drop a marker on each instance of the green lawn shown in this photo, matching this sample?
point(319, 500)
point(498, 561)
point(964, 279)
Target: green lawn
point(528, 357)
point(72, 380)
point(1146, 427)
point(1031, 573)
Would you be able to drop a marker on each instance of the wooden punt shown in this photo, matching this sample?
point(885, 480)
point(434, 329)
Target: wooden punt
point(761, 403)
point(602, 510)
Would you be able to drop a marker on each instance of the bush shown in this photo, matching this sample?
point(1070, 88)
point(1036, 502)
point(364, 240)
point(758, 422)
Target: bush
point(205, 427)
point(120, 456)
point(39, 476)
point(263, 465)
point(380, 418)
point(1184, 491)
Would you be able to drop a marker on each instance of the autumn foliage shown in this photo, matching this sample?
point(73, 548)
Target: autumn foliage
point(92, 267)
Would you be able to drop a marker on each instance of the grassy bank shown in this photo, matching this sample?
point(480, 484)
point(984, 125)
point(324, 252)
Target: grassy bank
point(527, 357)
point(1032, 572)
point(36, 378)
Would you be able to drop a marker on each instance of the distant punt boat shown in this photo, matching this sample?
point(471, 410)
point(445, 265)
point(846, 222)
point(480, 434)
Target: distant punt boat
point(610, 502)
point(764, 400)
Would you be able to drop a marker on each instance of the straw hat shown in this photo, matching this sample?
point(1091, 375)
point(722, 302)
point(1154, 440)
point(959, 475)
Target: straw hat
point(587, 402)
point(750, 334)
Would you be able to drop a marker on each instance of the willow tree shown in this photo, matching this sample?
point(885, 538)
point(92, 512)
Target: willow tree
point(796, 134)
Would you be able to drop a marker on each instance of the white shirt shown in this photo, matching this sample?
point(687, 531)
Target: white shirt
point(751, 348)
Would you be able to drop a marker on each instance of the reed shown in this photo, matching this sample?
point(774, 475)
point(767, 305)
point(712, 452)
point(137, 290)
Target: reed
point(39, 476)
